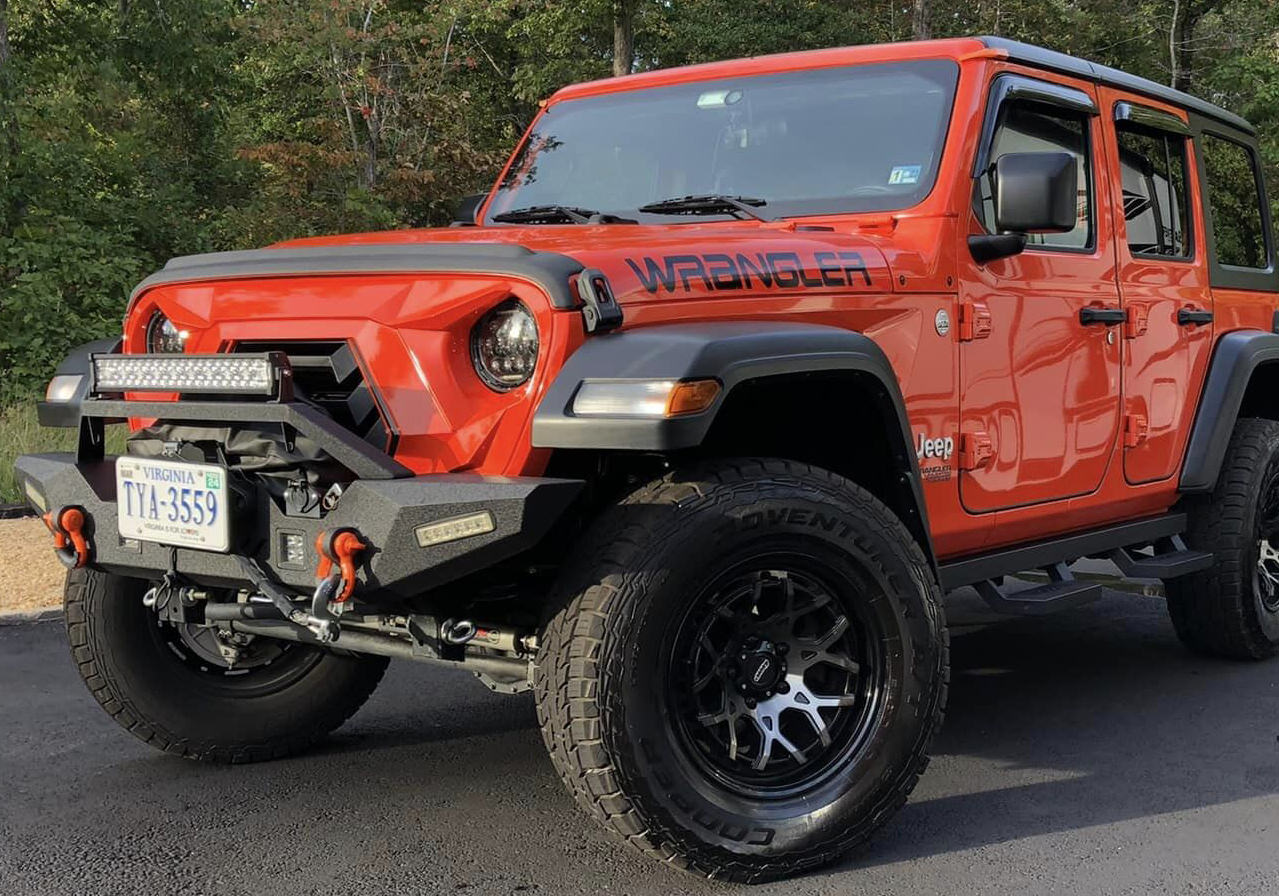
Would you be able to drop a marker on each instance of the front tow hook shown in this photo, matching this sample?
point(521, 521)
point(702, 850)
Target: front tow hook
point(71, 543)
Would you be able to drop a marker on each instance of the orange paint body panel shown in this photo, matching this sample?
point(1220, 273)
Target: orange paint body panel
point(992, 356)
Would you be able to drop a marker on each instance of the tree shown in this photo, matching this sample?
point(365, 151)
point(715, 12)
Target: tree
point(9, 145)
point(623, 36)
point(1186, 15)
point(920, 26)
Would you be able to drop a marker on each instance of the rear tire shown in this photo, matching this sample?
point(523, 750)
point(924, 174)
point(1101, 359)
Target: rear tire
point(165, 693)
point(1232, 609)
point(713, 606)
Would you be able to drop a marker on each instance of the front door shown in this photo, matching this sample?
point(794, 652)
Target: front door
point(1039, 373)
point(1163, 276)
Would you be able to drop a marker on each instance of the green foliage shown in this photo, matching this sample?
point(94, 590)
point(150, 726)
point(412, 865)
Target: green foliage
point(21, 433)
point(134, 131)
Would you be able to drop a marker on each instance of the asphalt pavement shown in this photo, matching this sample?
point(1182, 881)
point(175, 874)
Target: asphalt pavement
point(1084, 753)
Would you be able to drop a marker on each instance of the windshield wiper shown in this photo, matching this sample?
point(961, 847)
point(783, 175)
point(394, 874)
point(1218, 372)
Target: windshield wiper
point(558, 214)
point(708, 204)
point(546, 214)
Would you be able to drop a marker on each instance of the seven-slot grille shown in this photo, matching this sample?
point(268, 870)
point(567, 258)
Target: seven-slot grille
point(327, 375)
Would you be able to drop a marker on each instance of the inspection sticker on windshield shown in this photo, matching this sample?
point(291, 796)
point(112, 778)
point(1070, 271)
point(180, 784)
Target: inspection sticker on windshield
point(905, 174)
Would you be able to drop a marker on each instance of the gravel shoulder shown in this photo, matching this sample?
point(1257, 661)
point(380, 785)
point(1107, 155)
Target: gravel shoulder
point(30, 576)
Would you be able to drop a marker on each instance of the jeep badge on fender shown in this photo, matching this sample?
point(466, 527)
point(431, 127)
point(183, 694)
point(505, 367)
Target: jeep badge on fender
point(694, 452)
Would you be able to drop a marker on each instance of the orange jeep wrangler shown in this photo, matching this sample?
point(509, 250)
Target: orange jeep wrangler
point(689, 425)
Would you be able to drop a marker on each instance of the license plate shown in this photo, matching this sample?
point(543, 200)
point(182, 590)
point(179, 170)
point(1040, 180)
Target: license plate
point(173, 502)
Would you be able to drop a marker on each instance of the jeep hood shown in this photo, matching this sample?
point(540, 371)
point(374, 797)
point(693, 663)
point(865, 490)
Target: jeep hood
point(646, 263)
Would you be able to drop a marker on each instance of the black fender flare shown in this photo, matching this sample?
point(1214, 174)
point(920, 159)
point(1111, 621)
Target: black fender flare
point(1235, 359)
point(66, 414)
point(733, 353)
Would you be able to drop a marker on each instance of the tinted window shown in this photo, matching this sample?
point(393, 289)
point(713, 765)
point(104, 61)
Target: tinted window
point(1236, 204)
point(860, 138)
point(1033, 127)
point(1156, 215)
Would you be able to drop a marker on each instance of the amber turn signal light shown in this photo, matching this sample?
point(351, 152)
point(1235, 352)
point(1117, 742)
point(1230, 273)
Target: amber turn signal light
point(691, 397)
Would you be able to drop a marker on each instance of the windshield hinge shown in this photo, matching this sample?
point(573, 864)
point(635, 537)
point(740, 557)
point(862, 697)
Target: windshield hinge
point(600, 311)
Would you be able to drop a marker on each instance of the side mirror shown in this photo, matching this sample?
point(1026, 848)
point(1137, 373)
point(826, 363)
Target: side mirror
point(467, 207)
point(1036, 192)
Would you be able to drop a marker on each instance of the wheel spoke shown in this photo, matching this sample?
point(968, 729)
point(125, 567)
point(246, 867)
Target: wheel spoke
point(806, 658)
point(796, 753)
point(839, 662)
point(819, 724)
point(833, 634)
point(769, 735)
point(701, 684)
point(711, 719)
point(713, 655)
point(840, 700)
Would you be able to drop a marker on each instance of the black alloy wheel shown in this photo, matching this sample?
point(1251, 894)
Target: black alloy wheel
point(777, 676)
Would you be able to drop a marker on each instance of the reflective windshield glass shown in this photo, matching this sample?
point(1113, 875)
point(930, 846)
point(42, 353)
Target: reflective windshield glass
point(852, 139)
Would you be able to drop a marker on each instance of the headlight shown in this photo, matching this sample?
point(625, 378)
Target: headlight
point(504, 346)
point(163, 337)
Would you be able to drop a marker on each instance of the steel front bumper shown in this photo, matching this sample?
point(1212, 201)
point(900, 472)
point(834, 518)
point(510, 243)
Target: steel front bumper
point(390, 514)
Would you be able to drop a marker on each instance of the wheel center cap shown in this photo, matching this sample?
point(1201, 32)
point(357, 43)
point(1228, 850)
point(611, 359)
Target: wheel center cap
point(761, 671)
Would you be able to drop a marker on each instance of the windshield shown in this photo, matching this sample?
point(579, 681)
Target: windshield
point(852, 139)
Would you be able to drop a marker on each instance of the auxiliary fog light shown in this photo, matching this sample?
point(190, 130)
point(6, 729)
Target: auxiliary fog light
point(293, 551)
point(455, 528)
point(63, 387)
point(644, 398)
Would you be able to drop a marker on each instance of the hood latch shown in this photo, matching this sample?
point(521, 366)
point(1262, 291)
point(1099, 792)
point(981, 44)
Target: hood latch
point(600, 311)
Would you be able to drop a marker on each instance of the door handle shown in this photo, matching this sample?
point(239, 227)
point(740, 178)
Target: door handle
point(1095, 314)
point(1193, 317)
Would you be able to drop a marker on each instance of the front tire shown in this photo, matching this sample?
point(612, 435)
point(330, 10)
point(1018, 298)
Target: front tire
point(745, 669)
point(166, 686)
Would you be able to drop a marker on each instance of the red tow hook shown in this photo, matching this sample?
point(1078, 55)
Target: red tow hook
point(70, 543)
point(341, 547)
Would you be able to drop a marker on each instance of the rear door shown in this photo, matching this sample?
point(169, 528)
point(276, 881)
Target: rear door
point(1163, 280)
point(1039, 385)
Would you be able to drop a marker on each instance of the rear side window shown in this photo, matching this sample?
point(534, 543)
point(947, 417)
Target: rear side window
point(1035, 127)
point(1156, 214)
point(1235, 200)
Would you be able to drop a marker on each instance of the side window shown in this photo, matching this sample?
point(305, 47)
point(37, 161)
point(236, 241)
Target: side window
point(1235, 202)
point(1156, 214)
point(1036, 127)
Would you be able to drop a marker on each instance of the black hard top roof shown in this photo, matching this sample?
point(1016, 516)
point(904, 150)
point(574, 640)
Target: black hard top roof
point(1070, 65)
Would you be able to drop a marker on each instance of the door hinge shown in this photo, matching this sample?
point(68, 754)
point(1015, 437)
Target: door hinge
point(974, 321)
point(975, 450)
point(1135, 430)
point(1137, 322)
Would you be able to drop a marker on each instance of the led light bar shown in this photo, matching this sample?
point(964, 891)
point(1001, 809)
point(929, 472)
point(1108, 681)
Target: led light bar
point(194, 374)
